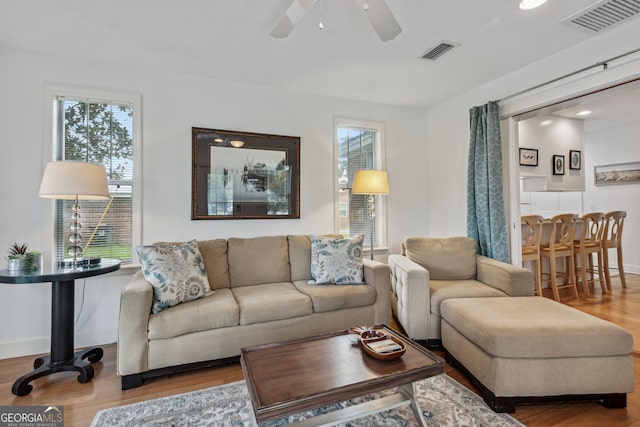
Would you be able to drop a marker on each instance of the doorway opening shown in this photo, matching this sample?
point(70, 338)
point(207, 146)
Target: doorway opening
point(563, 129)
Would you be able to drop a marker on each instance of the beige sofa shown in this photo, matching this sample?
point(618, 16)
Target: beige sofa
point(261, 295)
point(432, 270)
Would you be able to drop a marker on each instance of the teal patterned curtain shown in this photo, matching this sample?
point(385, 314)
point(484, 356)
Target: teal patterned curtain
point(485, 200)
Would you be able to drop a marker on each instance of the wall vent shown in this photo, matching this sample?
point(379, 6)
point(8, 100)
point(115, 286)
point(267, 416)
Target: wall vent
point(604, 14)
point(438, 51)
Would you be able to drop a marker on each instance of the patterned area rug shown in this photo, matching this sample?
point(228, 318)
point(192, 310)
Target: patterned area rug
point(444, 402)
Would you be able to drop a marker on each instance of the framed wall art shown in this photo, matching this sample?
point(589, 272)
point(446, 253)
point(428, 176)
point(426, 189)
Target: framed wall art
point(558, 164)
point(242, 175)
point(620, 173)
point(575, 160)
point(528, 157)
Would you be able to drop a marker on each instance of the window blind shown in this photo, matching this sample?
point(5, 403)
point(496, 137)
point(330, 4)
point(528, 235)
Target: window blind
point(356, 151)
point(100, 132)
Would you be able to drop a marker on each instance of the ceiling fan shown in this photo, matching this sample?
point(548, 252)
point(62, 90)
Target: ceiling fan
point(377, 11)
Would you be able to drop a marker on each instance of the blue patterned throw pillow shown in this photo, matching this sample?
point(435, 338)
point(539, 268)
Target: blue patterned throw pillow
point(176, 271)
point(336, 261)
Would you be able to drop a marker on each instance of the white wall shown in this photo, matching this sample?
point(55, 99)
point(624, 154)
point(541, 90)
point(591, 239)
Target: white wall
point(560, 193)
point(172, 104)
point(553, 136)
point(612, 145)
point(448, 122)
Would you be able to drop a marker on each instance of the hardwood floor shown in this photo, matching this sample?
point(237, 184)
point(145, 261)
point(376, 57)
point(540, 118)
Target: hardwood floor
point(82, 401)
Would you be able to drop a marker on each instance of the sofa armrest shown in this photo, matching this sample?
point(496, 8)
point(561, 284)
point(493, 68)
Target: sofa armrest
point(376, 274)
point(510, 279)
point(411, 296)
point(133, 343)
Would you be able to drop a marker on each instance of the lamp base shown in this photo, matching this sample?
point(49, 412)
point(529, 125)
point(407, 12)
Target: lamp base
point(84, 262)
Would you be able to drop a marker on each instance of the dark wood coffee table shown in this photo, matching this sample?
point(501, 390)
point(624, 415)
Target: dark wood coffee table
point(295, 376)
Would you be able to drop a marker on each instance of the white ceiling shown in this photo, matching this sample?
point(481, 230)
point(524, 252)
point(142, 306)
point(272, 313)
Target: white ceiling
point(229, 40)
point(619, 101)
point(614, 107)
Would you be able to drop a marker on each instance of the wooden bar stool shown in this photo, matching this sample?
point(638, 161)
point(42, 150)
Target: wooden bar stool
point(561, 246)
point(531, 245)
point(612, 239)
point(590, 242)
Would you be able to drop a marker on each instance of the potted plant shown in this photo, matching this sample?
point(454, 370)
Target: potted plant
point(21, 259)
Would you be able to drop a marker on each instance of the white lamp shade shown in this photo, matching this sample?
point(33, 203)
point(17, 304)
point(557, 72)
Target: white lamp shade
point(68, 180)
point(370, 182)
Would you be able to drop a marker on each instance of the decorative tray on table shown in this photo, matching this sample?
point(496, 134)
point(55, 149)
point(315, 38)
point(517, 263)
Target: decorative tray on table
point(379, 345)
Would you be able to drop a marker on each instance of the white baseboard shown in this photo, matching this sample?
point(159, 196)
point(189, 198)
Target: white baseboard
point(631, 268)
point(24, 347)
point(92, 338)
point(41, 345)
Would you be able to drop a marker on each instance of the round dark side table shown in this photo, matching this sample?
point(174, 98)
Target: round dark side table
point(62, 357)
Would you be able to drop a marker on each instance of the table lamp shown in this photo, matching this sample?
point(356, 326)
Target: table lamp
point(370, 182)
point(68, 180)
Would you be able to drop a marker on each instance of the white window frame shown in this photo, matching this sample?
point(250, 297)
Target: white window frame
point(51, 92)
point(379, 163)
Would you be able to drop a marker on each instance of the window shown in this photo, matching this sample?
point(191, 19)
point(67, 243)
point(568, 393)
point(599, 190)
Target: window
point(105, 132)
point(359, 146)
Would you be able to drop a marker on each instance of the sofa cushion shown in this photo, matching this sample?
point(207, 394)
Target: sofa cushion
point(271, 301)
point(450, 258)
point(442, 290)
point(258, 260)
point(214, 255)
point(176, 271)
point(300, 255)
point(534, 327)
point(332, 298)
point(336, 261)
point(219, 310)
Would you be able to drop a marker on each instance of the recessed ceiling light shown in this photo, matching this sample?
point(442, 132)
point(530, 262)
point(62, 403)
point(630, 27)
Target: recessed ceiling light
point(531, 4)
point(583, 113)
point(218, 140)
point(236, 143)
point(545, 122)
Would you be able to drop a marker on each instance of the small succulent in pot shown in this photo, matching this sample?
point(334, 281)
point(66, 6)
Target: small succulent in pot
point(22, 259)
point(17, 251)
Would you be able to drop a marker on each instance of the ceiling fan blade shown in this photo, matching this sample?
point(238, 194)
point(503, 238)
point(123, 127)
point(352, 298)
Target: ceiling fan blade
point(291, 17)
point(381, 19)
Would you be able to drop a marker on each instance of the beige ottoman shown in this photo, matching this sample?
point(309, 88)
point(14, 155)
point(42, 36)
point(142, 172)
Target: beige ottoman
point(532, 349)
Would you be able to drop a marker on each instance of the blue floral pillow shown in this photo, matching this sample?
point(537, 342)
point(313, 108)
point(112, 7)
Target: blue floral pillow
point(336, 261)
point(176, 271)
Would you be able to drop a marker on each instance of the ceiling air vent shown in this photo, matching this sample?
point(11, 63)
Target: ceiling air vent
point(604, 14)
point(439, 50)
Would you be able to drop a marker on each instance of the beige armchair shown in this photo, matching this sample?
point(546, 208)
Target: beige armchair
point(431, 270)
